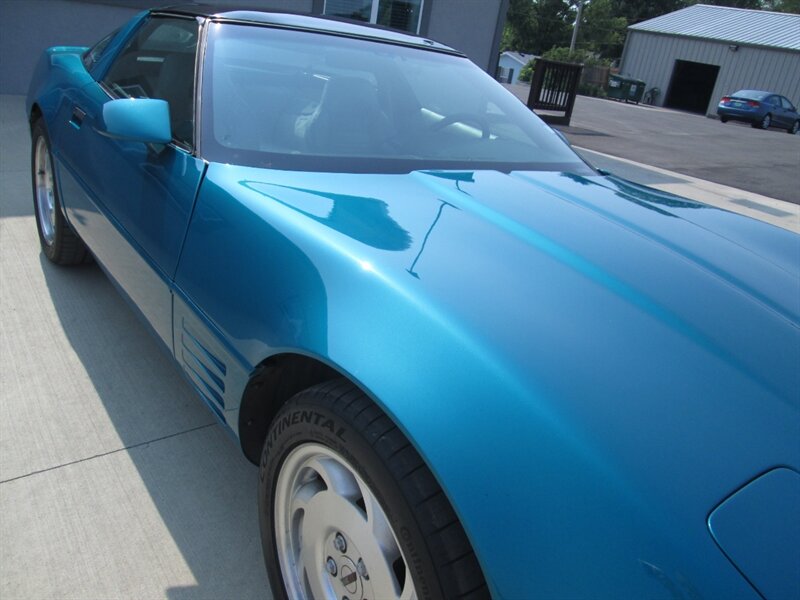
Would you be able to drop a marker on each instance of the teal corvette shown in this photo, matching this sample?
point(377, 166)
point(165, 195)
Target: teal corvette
point(468, 364)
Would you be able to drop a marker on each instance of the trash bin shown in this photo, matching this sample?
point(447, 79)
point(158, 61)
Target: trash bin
point(625, 88)
point(618, 87)
point(635, 90)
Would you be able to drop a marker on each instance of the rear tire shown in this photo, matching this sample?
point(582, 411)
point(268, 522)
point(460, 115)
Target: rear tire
point(60, 244)
point(348, 508)
point(723, 119)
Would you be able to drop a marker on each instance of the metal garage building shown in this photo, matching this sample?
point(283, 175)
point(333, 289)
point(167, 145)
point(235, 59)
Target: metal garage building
point(700, 53)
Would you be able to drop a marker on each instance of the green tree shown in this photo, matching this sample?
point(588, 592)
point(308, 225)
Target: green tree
point(554, 19)
point(602, 31)
point(535, 26)
point(752, 4)
point(636, 11)
point(787, 6)
point(520, 29)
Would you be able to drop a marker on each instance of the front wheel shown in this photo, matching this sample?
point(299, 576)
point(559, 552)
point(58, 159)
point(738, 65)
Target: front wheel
point(60, 244)
point(348, 509)
point(794, 128)
point(763, 123)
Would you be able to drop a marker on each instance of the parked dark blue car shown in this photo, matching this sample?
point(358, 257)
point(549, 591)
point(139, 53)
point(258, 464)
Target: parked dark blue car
point(761, 109)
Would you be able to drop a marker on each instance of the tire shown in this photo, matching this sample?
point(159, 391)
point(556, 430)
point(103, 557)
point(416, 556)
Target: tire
point(794, 128)
point(723, 119)
point(60, 244)
point(763, 123)
point(331, 451)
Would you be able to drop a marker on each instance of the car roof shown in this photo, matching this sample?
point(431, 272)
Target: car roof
point(287, 20)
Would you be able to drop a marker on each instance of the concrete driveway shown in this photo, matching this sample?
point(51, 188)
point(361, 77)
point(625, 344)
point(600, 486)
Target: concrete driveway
point(115, 481)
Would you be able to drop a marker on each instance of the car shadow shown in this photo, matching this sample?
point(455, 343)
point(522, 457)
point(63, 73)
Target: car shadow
point(194, 472)
point(189, 480)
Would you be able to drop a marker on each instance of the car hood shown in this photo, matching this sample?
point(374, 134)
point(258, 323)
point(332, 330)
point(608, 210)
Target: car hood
point(581, 265)
point(579, 286)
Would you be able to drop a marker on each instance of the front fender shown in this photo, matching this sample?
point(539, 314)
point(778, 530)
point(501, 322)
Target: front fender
point(58, 69)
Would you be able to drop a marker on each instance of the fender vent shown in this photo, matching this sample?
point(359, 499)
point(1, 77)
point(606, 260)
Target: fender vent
point(204, 368)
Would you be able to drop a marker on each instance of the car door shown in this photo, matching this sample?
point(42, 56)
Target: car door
point(789, 112)
point(776, 109)
point(130, 201)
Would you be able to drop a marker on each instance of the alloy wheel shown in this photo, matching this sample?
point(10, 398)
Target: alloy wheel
point(333, 537)
point(45, 192)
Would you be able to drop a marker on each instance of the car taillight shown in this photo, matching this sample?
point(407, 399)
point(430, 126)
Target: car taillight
point(752, 103)
point(725, 99)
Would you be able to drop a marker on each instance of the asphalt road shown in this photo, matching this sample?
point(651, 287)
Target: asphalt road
point(732, 154)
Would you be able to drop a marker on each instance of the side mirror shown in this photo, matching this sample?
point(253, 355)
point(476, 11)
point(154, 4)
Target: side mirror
point(137, 120)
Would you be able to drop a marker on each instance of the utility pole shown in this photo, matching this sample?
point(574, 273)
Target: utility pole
point(575, 29)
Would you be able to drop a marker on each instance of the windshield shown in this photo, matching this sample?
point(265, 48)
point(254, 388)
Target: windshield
point(310, 101)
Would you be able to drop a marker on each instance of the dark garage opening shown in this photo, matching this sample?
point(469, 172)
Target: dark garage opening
point(691, 86)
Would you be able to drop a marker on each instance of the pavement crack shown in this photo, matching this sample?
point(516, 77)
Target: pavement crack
point(123, 449)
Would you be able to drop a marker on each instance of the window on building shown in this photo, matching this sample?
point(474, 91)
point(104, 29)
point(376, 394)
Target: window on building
point(397, 14)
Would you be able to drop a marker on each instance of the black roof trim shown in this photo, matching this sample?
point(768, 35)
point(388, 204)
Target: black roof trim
point(303, 22)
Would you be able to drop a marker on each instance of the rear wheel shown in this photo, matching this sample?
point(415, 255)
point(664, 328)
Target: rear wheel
point(724, 119)
point(59, 242)
point(348, 508)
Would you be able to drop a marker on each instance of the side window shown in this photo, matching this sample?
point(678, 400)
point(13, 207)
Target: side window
point(774, 101)
point(95, 52)
point(159, 62)
point(786, 104)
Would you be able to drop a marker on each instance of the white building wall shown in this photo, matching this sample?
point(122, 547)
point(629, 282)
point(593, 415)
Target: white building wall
point(507, 62)
point(651, 57)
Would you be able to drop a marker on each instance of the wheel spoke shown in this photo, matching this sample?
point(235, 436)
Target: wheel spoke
point(311, 572)
point(336, 476)
point(380, 528)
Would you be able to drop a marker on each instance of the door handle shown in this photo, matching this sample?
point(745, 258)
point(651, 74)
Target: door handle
point(77, 117)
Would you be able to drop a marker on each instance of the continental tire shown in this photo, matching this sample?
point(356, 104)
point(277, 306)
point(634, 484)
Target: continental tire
point(348, 509)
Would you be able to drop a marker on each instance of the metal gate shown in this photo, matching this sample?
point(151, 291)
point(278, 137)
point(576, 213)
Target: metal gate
point(553, 88)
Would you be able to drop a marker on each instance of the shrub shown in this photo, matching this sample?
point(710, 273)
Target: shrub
point(526, 73)
point(589, 89)
point(576, 56)
point(564, 55)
